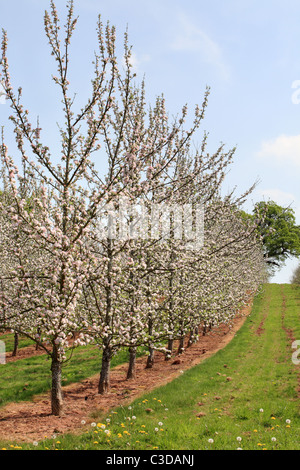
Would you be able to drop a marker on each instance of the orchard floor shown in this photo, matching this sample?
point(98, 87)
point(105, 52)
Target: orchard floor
point(32, 421)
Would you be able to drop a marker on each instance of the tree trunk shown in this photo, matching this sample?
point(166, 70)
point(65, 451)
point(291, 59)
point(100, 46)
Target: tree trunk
point(170, 349)
point(16, 344)
point(56, 390)
point(181, 345)
point(104, 382)
point(193, 336)
point(131, 373)
point(150, 359)
point(38, 338)
point(170, 313)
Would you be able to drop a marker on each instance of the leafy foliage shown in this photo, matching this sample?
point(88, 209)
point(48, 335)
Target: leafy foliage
point(279, 232)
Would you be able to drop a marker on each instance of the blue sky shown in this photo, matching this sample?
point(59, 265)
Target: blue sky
point(247, 51)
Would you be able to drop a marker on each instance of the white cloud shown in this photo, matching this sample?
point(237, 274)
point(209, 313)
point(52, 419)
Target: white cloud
point(284, 149)
point(191, 38)
point(137, 61)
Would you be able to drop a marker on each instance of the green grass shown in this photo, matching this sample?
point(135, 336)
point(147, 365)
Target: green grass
point(254, 372)
point(8, 339)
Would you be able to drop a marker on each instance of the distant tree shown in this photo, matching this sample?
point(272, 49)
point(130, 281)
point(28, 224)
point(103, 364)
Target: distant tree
point(279, 232)
point(296, 276)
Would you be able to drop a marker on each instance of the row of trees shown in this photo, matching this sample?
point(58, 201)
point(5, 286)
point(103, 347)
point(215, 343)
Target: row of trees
point(61, 276)
point(279, 233)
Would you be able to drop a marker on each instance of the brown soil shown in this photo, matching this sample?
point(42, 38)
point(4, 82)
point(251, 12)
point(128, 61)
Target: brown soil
point(32, 421)
point(260, 328)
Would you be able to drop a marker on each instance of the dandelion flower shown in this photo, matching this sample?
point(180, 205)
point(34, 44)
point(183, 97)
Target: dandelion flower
point(239, 439)
point(273, 439)
point(288, 421)
point(211, 441)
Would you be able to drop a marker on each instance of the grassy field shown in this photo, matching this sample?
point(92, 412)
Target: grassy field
point(244, 397)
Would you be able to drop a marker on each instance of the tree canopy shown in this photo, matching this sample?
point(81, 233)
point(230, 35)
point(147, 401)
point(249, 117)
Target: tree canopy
point(279, 231)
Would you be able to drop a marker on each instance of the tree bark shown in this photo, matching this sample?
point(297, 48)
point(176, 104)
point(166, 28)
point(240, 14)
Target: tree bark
point(193, 336)
point(170, 349)
point(56, 390)
point(104, 381)
point(181, 345)
point(150, 359)
point(131, 373)
point(16, 344)
point(39, 337)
